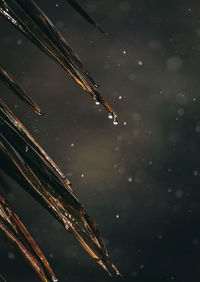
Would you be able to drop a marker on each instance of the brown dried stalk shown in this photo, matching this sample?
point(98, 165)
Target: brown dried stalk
point(27, 17)
point(22, 158)
point(16, 234)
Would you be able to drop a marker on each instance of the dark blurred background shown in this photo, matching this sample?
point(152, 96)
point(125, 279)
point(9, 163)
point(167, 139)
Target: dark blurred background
point(139, 179)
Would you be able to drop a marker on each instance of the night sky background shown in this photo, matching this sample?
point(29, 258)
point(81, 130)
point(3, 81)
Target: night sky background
point(140, 179)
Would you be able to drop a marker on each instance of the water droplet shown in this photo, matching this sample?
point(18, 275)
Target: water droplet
point(97, 103)
point(115, 121)
point(110, 116)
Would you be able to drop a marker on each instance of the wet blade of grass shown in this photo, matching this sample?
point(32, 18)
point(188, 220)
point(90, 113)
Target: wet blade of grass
point(27, 17)
point(15, 87)
point(84, 14)
point(17, 236)
point(34, 170)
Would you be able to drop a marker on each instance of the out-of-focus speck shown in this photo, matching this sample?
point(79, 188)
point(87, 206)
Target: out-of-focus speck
point(174, 63)
point(26, 149)
point(136, 117)
point(82, 175)
point(51, 255)
point(150, 162)
point(180, 112)
point(189, 9)
point(19, 42)
point(161, 92)
point(120, 97)
point(72, 145)
point(179, 194)
point(117, 216)
point(125, 123)
point(130, 179)
point(195, 173)
point(154, 44)
point(197, 128)
point(97, 103)
point(169, 169)
point(115, 166)
point(59, 24)
point(57, 5)
point(194, 99)
point(91, 7)
point(172, 278)
point(169, 190)
point(124, 52)
point(140, 63)
point(134, 274)
point(141, 266)
point(131, 76)
point(119, 138)
point(124, 6)
point(195, 241)
point(121, 170)
point(160, 236)
point(11, 255)
point(181, 98)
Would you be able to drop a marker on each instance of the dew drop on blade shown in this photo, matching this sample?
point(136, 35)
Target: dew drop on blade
point(110, 116)
point(115, 121)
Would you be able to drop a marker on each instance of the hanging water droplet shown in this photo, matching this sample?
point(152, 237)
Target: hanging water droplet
point(115, 121)
point(110, 116)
